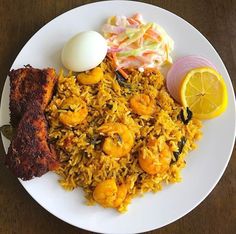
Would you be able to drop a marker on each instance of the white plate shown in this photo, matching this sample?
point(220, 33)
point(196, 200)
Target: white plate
point(205, 165)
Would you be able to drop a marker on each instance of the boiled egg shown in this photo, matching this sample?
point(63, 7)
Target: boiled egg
point(84, 51)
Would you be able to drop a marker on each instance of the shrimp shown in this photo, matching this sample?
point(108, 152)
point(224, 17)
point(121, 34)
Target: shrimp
point(75, 111)
point(119, 140)
point(142, 104)
point(108, 194)
point(152, 161)
point(92, 77)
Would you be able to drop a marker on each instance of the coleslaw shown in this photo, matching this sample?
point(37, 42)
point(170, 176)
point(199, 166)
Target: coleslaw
point(133, 43)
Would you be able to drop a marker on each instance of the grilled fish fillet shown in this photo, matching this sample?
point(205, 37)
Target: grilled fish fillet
point(29, 154)
point(29, 85)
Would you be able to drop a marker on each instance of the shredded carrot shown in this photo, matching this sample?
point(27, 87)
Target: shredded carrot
point(135, 18)
point(112, 57)
point(132, 21)
point(123, 73)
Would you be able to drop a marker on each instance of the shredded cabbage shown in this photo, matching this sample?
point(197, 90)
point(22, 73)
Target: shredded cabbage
point(134, 43)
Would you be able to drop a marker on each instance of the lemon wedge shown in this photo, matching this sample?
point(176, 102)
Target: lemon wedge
point(203, 90)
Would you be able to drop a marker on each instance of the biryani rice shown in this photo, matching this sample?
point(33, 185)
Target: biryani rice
point(83, 162)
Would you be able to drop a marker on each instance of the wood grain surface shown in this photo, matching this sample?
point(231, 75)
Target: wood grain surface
point(19, 20)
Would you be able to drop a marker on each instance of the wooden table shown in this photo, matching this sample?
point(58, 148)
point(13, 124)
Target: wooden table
point(19, 20)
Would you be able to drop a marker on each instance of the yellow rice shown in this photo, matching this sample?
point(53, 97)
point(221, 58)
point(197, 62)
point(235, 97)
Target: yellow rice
point(84, 164)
